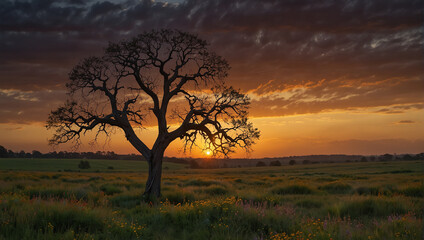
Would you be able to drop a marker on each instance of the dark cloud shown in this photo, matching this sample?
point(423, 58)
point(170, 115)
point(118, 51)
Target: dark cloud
point(405, 122)
point(335, 54)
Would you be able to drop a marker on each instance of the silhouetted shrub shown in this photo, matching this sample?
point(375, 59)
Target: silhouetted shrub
point(292, 162)
point(260, 164)
point(110, 168)
point(84, 165)
point(194, 164)
point(306, 161)
point(275, 163)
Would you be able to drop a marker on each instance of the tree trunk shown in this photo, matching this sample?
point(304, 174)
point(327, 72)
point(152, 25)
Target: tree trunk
point(155, 174)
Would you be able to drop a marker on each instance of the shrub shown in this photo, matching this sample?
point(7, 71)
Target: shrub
point(292, 162)
point(260, 164)
point(336, 188)
point(306, 161)
point(275, 163)
point(293, 189)
point(84, 165)
point(110, 168)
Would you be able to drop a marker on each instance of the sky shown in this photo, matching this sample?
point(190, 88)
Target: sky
point(324, 77)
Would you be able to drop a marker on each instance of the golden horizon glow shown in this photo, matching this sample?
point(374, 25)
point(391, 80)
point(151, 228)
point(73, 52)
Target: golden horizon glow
point(208, 152)
point(338, 132)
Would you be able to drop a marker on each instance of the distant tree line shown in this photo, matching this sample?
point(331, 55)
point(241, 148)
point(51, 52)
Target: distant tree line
point(108, 155)
point(380, 158)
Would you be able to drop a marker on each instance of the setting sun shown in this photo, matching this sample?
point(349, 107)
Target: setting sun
point(208, 152)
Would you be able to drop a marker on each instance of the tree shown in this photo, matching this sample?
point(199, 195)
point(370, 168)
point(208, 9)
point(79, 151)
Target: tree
point(275, 163)
point(3, 152)
point(292, 162)
point(132, 85)
point(36, 154)
point(84, 165)
point(306, 161)
point(260, 164)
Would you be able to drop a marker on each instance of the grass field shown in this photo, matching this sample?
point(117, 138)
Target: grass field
point(374, 200)
point(72, 165)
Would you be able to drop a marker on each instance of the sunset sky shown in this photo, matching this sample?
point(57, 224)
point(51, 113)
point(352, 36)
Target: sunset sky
point(324, 77)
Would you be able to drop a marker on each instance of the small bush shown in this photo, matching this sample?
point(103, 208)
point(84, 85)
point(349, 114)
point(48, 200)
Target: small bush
point(292, 162)
point(260, 164)
point(293, 189)
point(336, 188)
point(84, 165)
point(110, 168)
point(275, 163)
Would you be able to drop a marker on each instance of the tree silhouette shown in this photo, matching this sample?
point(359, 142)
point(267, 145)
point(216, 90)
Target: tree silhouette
point(138, 80)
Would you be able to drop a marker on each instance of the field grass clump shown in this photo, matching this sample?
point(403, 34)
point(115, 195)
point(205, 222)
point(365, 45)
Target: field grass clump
point(336, 188)
point(199, 183)
point(57, 193)
point(309, 203)
point(125, 200)
point(110, 189)
point(415, 191)
point(176, 197)
point(373, 191)
point(215, 190)
point(372, 208)
point(231, 203)
point(292, 189)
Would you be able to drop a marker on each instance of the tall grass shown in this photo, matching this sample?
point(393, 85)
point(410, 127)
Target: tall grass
point(330, 201)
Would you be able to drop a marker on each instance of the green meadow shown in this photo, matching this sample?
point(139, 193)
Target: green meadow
point(100, 165)
point(366, 200)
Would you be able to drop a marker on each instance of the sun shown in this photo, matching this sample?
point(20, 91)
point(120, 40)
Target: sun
point(208, 152)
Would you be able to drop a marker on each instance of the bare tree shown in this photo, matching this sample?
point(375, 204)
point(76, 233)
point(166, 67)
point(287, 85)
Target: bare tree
point(138, 80)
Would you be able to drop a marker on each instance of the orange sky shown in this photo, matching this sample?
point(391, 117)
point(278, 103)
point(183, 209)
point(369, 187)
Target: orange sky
point(346, 78)
point(337, 132)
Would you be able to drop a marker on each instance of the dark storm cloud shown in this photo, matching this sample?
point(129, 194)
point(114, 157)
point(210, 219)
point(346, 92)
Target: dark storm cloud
point(362, 53)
